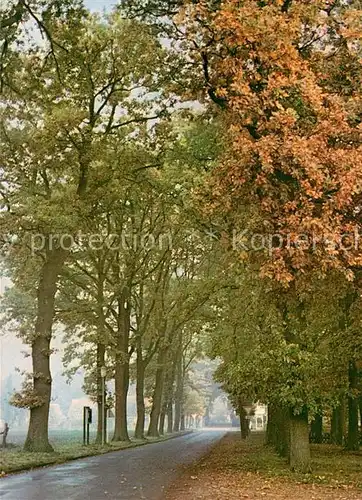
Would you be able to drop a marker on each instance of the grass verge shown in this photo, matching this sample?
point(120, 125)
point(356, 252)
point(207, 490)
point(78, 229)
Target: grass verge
point(16, 460)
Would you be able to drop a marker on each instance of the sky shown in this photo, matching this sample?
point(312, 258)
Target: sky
point(100, 5)
point(96, 5)
point(12, 349)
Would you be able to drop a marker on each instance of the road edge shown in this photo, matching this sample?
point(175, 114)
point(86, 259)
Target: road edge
point(103, 451)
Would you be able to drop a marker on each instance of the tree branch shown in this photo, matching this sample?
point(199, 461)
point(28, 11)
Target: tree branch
point(220, 101)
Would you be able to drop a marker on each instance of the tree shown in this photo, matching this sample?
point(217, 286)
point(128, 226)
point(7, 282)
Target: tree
point(292, 142)
point(287, 351)
point(56, 121)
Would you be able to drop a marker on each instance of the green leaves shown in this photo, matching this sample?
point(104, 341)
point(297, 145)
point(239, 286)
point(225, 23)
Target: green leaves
point(288, 348)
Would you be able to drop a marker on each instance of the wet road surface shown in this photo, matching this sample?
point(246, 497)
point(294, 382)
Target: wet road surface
point(137, 473)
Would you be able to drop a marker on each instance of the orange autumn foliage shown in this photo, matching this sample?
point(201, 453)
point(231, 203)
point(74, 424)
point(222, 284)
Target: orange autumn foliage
point(289, 75)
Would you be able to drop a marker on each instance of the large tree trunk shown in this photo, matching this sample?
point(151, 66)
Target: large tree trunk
point(101, 426)
point(161, 425)
point(282, 431)
point(244, 422)
point(140, 400)
point(270, 437)
point(101, 358)
point(353, 431)
point(157, 394)
point(37, 439)
point(337, 425)
point(177, 420)
point(121, 391)
point(179, 392)
point(122, 370)
point(316, 431)
point(169, 418)
point(168, 392)
point(299, 455)
point(98, 439)
point(182, 423)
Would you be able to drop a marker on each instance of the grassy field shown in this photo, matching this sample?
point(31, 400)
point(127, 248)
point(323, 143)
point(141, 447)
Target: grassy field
point(67, 446)
point(55, 436)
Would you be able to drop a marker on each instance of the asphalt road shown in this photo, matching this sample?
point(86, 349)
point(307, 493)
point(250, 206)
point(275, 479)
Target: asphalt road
point(137, 473)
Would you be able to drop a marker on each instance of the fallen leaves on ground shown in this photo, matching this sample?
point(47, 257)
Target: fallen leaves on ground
point(223, 475)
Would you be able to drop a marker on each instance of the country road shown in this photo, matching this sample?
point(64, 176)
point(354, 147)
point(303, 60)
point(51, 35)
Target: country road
point(137, 473)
